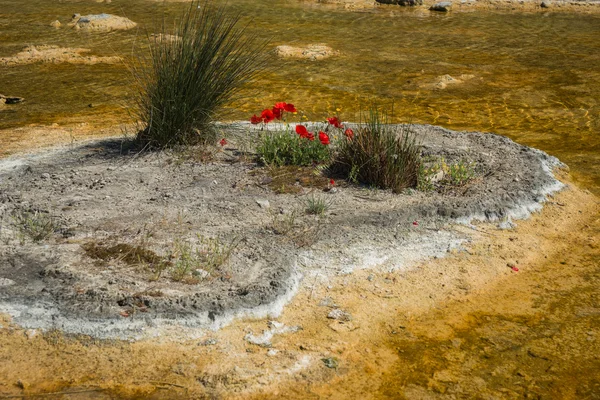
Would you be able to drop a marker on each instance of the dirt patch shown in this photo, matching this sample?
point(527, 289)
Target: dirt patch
point(54, 55)
point(189, 213)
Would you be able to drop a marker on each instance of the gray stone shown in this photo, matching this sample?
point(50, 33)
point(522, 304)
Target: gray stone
point(6, 282)
point(443, 6)
point(331, 362)
point(263, 203)
point(209, 342)
point(327, 302)
point(339, 315)
point(546, 4)
point(201, 273)
point(10, 99)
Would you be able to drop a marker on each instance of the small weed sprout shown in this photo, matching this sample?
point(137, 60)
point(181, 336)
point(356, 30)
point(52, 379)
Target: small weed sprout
point(316, 205)
point(35, 225)
point(437, 174)
point(428, 172)
point(460, 173)
point(209, 255)
point(353, 174)
point(301, 234)
point(283, 224)
point(215, 252)
point(184, 260)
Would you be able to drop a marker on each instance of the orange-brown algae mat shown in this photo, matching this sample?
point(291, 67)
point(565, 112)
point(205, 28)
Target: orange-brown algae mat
point(464, 326)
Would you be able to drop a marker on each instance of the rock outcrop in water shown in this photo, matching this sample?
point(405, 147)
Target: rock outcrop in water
point(9, 100)
point(443, 6)
point(310, 52)
point(402, 2)
point(55, 55)
point(101, 22)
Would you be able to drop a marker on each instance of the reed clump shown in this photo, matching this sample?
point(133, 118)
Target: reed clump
point(380, 154)
point(192, 71)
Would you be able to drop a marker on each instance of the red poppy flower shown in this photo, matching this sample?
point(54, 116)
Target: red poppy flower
point(335, 122)
point(255, 119)
point(223, 142)
point(277, 112)
point(332, 182)
point(311, 136)
point(324, 138)
point(514, 268)
point(302, 131)
point(289, 107)
point(415, 223)
point(349, 133)
point(281, 105)
point(267, 115)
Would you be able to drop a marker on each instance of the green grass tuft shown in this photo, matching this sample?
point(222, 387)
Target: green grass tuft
point(192, 74)
point(380, 155)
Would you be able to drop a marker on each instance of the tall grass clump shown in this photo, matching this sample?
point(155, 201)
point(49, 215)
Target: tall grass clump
point(381, 155)
point(193, 71)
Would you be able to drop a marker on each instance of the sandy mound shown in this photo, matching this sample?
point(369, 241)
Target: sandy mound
point(101, 22)
point(118, 219)
point(310, 52)
point(55, 55)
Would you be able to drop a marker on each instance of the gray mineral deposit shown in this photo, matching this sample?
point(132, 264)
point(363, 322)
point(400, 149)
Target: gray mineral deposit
point(111, 228)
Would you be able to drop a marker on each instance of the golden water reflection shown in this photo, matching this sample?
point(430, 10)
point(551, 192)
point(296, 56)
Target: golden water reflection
point(533, 77)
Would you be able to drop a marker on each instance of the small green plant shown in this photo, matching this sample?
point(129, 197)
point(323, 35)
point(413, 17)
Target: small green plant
point(438, 174)
point(35, 225)
point(208, 255)
point(380, 154)
point(428, 172)
point(283, 224)
point(301, 233)
point(301, 148)
point(460, 173)
point(287, 148)
point(187, 80)
point(184, 260)
point(316, 205)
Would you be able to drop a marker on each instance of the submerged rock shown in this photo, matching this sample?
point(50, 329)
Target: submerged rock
point(101, 22)
point(10, 99)
point(443, 81)
point(404, 3)
point(443, 6)
point(310, 52)
point(55, 55)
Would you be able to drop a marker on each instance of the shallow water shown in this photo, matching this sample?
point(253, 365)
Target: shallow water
point(536, 76)
point(536, 80)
